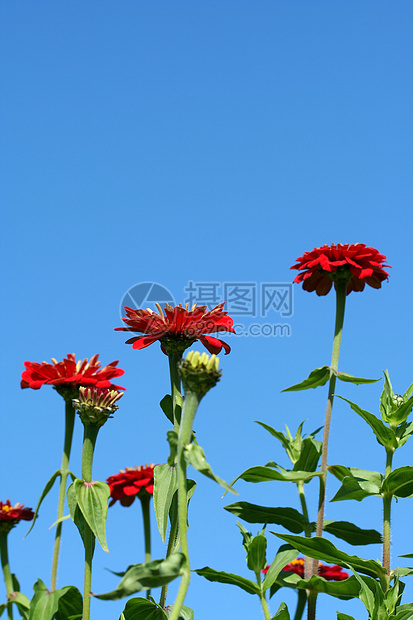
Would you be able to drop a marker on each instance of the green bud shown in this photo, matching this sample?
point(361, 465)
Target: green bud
point(96, 405)
point(199, 372)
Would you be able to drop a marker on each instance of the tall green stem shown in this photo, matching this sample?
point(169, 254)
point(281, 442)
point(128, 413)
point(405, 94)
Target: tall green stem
point(89, 440)
point(387, 497)
point(145, 502)
point(176, 397)
point(301, 603)
point(6, 571)
point(307, 526)
point(64, 472)
point(341, 289)
point(189, 409)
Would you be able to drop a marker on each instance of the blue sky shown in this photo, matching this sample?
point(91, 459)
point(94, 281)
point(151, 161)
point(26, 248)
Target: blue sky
point(172, 142)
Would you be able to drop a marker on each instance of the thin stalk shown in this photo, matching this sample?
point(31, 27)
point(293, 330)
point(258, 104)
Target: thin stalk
point(265, 607)
point(387, 497)
point(341, 289)
point(64, 472)
point(301, 603)
point(307, 527)
point(6, 571)
point(145, 502)
point(89, 440)
point(190, 407)
point(176, 396)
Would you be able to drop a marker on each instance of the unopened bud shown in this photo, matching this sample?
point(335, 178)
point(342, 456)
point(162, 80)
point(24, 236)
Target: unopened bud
point(199, 372)
point(96, 405)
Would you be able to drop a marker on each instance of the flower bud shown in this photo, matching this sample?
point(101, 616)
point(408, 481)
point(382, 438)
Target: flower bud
point(96, 405)
point(199, 372)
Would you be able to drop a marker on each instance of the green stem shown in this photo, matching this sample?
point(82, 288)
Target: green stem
point(176, 397)
point(387, 497)
point(145, 502)
point(311, 605)
point(265, 607)
point(189, 409)
point(341, 288)
point(6, 571)
point(307, 527)
point(64, 472)
point(90, 434)
point(301, 603)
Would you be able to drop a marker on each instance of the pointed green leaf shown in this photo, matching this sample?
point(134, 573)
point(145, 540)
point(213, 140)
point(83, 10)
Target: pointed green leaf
point(265, 474)
point(70, 605)
point(356, 483)
point(3, 607)
point(77, 516)
point(289, 518)
point(323, 549)
point(309, 455)
point(92, 499)
point(402, 413)
point(257, 553)
point(403, 432)
point(385, 435)
point(164, 488)
point(195, 455)
point(344, 617)
point(146, 576)
point(371, 595)
point(142, 609)
point(282, 613)
point(345, 589)
point(277, 434)
point(186, 613)
point(316, 378)
point(44, 604)
point(45, 491)
point(404, 612)
point(166, 406)
point(351, 533)
point(344, 376)
point(285, 555)
point(399, 482)
point(234, 580)
point(22, 603)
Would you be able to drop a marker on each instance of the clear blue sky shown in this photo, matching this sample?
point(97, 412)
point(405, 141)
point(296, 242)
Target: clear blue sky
point(210, 142)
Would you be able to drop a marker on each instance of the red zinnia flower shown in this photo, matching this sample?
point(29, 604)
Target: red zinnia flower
point(130, 483)
point(11, 515)
point(356, 263)
point(331, 573)
point(70, 373)
point(177, 328)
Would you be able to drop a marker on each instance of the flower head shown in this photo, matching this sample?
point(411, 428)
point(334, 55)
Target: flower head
point(330, 573)
point(177, 328)
point(131, 483)
point(66, 376)
point(199, 372)
point(11, 515)
point(96, 405)
point(355, 263)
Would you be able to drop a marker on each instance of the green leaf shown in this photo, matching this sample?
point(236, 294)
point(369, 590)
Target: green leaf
point(92, 499)
point(289, 518)
point(190, 488)
point(356, 483)
point(77, 516)
point(316, 378)
point(166, 406)
point(344, 616)
point(282, 613)
point(45, 605)
point(172, 438)
point(146, 576)
point(384, 435)
point(163, 492)
point(3, 607)
point(404, 612)
point(257, 553)
point(322, 549)
point(345, 589)
point(234, 580)
point(186, 613)
point(351, 533)
point(371, 595)
point(45, 491)
point(277, 434)
point(344, 376)
point(309, 456)
point(22, 603)
point(70, 604)
point(142, 609)
point(403, 432)
point(265, 474)
point(195, 455)
point(399, 482)
point(285, 555)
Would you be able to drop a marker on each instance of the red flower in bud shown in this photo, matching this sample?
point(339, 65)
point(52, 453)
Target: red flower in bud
point(331, 573)
point(177, 328)
point(11, 515)
point(130, 483)
point(356, 263)
point(70, 374)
